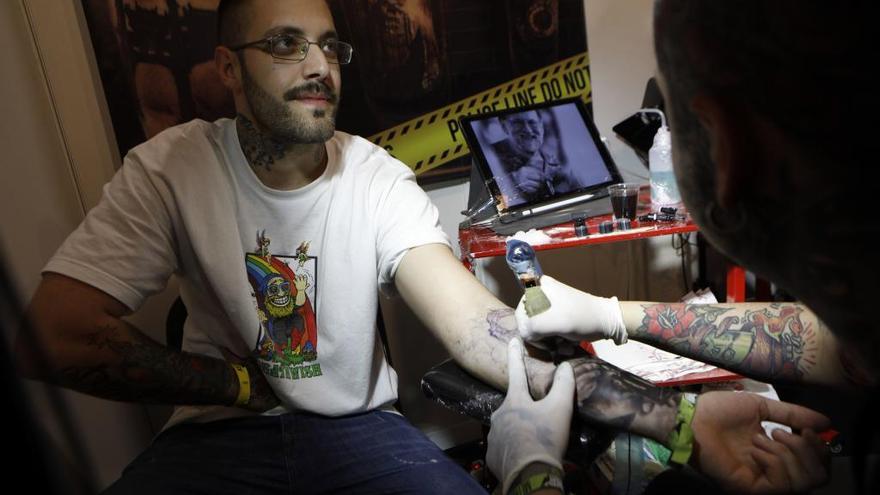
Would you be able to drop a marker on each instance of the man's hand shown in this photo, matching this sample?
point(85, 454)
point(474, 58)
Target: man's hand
point(573, 314)
point(560, 176)
point(526, 431)
point(262, 396)
point(731, 447)
point(528, 179)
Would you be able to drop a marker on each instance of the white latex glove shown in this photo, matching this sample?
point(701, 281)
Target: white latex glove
point(573, 314)
point(526, 431)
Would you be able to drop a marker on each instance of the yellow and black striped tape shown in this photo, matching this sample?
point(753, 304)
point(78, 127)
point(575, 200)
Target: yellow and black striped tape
point(426, 142)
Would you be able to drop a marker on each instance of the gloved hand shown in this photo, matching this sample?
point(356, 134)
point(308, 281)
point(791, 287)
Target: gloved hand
point(573, 314)
point(526, 431)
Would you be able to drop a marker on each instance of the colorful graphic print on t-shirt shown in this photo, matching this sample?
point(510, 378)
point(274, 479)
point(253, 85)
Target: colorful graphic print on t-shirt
point(284, 288)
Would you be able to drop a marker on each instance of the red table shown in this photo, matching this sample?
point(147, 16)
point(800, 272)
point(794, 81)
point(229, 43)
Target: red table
point(481, 242)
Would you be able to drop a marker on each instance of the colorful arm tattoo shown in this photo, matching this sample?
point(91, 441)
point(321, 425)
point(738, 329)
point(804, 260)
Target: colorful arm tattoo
point(771, 343)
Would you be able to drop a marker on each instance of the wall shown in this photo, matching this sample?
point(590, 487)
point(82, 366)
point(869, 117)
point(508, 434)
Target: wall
point(58, 151)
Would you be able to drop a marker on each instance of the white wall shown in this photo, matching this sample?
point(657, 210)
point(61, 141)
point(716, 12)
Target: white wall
point(58, 151)
point(56, 156)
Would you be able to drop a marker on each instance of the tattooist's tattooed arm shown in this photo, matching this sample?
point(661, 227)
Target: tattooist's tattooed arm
point(606, 395)
point(771, 342)
point(610, 396)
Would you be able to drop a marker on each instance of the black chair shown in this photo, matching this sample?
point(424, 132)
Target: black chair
point(174, 324)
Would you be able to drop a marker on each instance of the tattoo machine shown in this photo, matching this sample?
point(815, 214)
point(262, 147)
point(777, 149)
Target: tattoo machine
point(522, 260)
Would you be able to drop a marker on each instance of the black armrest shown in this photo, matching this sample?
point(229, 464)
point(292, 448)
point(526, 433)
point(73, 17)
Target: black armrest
point(456, 389)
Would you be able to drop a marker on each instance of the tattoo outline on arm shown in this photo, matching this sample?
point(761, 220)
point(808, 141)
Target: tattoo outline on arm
point(496, 326)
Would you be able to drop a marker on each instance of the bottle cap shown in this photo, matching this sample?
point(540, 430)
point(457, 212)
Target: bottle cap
point(580, 227)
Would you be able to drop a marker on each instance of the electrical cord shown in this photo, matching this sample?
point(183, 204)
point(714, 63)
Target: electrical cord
point(683, 251)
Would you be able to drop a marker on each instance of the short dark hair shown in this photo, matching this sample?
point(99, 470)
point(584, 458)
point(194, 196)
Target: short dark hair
point(803, 64)
point(232, 17)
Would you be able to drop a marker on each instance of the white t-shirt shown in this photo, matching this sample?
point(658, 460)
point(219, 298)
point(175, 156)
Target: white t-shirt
point(289, 275)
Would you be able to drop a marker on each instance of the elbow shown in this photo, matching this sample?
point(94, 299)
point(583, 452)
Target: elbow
point(61, 323)
point(43, 348)
point(28, 355)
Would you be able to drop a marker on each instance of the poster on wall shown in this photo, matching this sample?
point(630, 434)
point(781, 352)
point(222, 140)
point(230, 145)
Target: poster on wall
point(419, 65)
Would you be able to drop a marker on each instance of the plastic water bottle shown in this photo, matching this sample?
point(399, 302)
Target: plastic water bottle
point(664, 190)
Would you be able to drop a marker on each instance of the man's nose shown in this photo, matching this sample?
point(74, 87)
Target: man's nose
point(315, 65)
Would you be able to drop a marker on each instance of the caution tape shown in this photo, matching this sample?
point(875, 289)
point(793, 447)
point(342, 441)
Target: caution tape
point(426, 142)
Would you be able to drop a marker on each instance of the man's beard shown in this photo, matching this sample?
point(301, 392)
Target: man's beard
point(280, 311)
point(528, 145)
point(277, 119)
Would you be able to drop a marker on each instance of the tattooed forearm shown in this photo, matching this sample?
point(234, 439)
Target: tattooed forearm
point(606, 395)
point(769, 342)
point(610, 396)
point(134, 368)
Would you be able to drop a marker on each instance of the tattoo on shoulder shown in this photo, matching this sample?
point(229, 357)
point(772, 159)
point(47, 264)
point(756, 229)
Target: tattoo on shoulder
point(260, 149)
point(774, 341)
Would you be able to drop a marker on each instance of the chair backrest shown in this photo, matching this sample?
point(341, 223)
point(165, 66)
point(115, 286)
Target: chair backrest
point(174, 324)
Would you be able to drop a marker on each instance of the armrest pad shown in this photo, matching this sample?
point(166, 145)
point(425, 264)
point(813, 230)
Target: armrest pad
point(454, 388)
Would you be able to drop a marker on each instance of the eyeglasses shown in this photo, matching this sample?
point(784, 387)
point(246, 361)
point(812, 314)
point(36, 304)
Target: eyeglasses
point(294, 48)
point(282, 288)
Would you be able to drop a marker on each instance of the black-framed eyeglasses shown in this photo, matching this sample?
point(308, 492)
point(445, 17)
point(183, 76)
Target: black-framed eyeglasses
point(285, 46)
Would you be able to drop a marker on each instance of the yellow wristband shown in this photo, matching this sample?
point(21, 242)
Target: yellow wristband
point(538, 476)
point(681, 439)
point(244, 385)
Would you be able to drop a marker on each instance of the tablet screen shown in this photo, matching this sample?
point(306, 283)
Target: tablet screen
point(539, 154)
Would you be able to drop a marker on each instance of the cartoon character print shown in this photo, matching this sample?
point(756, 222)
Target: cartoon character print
point(284, 288)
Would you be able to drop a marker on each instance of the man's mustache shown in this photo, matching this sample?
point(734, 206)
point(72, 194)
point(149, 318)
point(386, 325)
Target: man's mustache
point(311, 89)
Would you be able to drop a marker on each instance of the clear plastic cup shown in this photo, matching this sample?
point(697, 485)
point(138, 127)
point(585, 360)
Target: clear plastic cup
point(624, 199)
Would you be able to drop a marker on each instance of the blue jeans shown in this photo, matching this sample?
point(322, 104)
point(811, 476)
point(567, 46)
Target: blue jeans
point(375, 452)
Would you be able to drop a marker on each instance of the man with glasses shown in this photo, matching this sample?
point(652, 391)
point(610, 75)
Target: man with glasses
point(281, 232)
point(533, 171)
point(275, 217)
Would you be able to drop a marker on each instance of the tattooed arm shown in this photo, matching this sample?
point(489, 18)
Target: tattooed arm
point(78, 340)
point(729, 447)
point(771, 342)
point(475, 327)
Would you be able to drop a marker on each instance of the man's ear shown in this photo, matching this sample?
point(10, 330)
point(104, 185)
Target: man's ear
point(228, 68)
point(732, 153)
